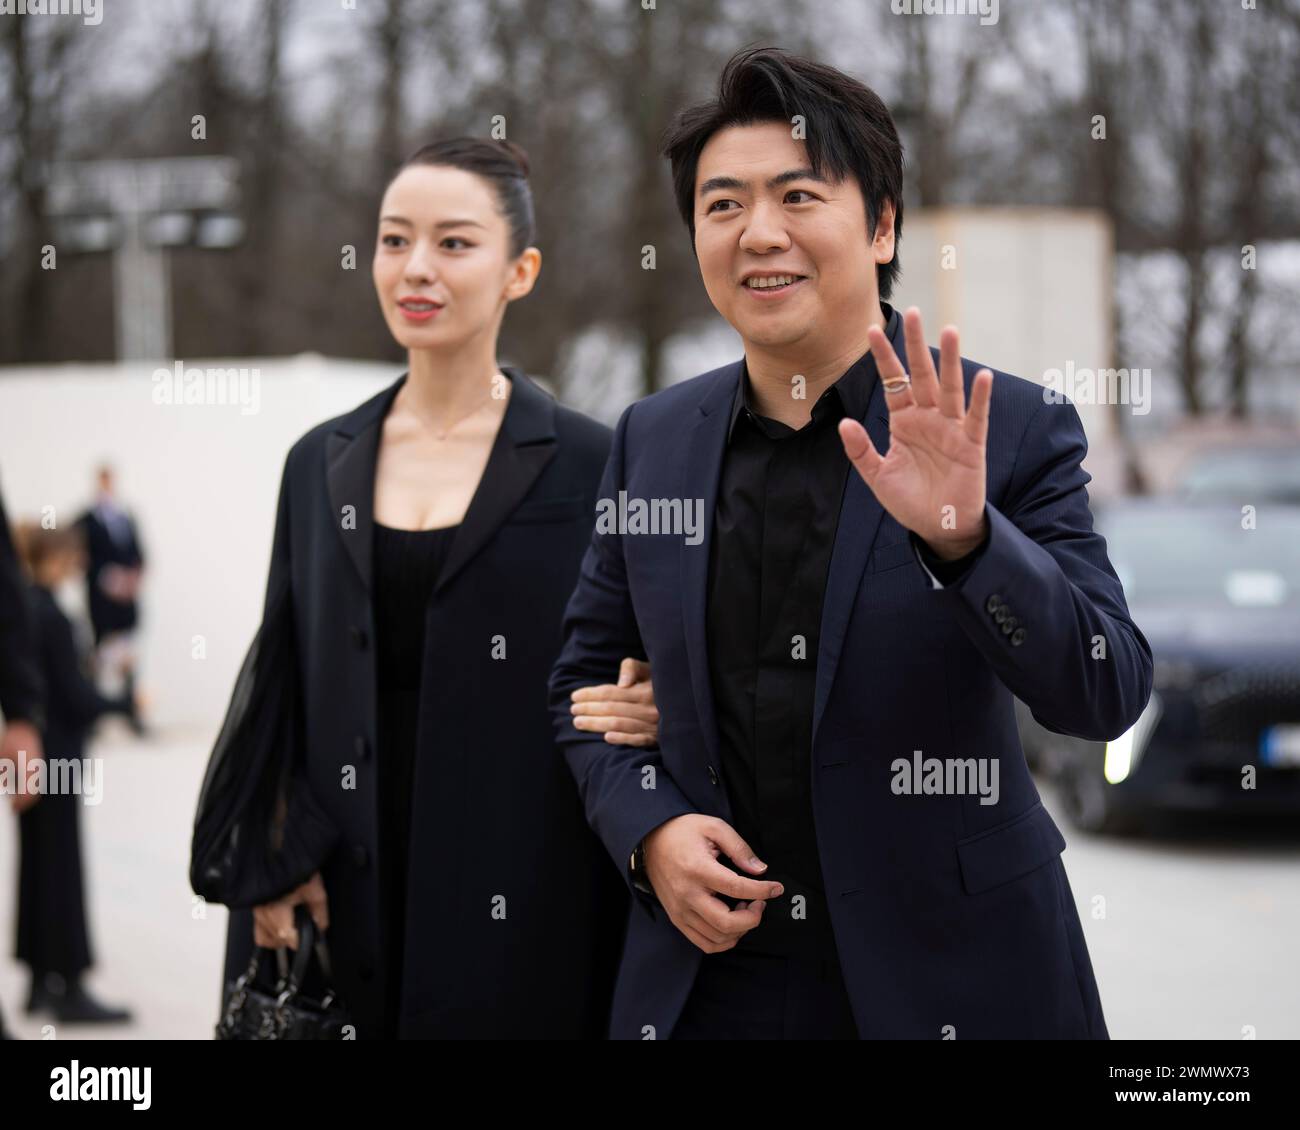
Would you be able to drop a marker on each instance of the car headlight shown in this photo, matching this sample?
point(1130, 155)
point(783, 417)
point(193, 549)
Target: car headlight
point(1125, 752)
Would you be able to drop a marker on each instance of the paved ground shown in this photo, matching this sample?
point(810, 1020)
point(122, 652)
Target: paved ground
point(1198, 939)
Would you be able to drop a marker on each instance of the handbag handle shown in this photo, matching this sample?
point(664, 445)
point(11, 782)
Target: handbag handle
point(310, 941)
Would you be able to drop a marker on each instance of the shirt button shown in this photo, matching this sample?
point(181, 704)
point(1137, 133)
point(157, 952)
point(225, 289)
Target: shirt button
point(362, 747)
point(360, 856)
point(359, 637)
point(1017, 637)
point(713, 775)
point(993, 603)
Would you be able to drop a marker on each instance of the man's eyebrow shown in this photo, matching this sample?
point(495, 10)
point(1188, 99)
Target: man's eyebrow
point(440, 225)
point(715, 183)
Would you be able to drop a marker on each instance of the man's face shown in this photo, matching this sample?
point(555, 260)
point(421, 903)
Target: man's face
point(760, 213)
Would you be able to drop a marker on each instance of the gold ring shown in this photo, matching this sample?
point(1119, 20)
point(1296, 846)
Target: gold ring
point(897, 384)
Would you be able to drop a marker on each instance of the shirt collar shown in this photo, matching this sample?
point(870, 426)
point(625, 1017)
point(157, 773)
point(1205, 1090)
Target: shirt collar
point(853, 389)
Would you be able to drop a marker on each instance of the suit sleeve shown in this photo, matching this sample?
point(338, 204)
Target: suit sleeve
point(624, 801)
point(1042, 602)
point(22, 694)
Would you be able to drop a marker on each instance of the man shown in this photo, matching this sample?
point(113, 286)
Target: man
point(113, 575)
point(838, 836)
point(22, 695)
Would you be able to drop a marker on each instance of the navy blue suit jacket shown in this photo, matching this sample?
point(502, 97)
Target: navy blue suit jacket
point(951, 917)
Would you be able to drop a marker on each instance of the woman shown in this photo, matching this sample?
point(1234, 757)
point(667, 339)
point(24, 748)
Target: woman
point(53, 931)
point(432, 538)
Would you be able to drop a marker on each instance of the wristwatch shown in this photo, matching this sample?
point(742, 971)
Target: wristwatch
point(636, 867)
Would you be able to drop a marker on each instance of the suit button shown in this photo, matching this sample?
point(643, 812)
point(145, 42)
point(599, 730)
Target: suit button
point(362, 747)
point(1001, 614)
point(360, 856)
point(993, 603)
point(1009, 625)
point(713, 775)
point(1017, 637)
point(359, 637)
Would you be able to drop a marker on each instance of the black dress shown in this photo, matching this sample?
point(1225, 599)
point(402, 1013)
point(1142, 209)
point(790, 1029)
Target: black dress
point(53, 933)
point(407, 563)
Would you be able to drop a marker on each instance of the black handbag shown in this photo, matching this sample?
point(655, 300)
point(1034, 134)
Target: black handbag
point(258, 830)
point(285, 1012)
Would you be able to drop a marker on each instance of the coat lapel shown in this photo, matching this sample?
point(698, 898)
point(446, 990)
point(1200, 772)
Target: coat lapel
point(706, 443)
point(524, 444)
point(350, 455)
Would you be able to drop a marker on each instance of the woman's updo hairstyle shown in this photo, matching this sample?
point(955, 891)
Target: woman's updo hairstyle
point(502, 164)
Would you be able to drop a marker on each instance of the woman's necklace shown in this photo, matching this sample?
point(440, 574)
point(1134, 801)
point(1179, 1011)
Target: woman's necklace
point(442, 433)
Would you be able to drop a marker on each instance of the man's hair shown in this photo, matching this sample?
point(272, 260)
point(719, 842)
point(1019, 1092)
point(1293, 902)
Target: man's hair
point(848, 129)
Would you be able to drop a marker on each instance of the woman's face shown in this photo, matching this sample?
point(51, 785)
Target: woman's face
point(442, 267)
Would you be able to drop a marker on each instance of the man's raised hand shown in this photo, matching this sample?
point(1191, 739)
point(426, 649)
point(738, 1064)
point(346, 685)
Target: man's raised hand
point(931, 480)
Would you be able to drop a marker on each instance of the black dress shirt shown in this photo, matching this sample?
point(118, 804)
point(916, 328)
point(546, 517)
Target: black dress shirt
point(774, 529)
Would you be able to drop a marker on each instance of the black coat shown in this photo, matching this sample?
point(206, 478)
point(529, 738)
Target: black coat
point(53, 935)
point(496, 822)
point(21, 691)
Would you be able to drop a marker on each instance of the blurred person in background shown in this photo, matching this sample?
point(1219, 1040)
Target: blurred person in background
point(113, 578)
point(22, 695)
point(430, 538)
point(53, 931)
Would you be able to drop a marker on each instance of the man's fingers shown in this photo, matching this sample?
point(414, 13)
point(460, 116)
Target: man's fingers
point(858, 447)
point(632, 671)
point(641, 711)
point(718, 918)
point(698, 940)
point(890, 368)
point(731, 844)
point(608, 692)
point(722, 879)
point(638, 741)
point(977, 416)
point(603, 723)
point(925, 385)
point(952, 393)
point(702, 925)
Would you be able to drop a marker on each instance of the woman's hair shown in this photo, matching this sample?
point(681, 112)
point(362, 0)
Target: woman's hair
point(502, 164)
point(849, 130)
point(36, 545)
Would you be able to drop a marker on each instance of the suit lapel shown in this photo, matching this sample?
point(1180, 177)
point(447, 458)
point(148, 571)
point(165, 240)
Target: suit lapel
point(859, 523)
point(706, 443)
point(860, 516)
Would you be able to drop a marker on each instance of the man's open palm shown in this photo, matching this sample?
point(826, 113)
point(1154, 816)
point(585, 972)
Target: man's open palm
point(931, 480)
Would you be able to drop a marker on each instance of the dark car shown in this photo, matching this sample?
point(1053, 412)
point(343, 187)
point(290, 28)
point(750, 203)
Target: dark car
point(1216, 591)
point(1266, 473)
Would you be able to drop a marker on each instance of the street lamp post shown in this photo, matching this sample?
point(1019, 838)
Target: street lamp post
point(139, 209)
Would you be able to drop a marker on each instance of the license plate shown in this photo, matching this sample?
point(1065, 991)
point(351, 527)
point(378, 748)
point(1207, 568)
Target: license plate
point(1279, 746)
